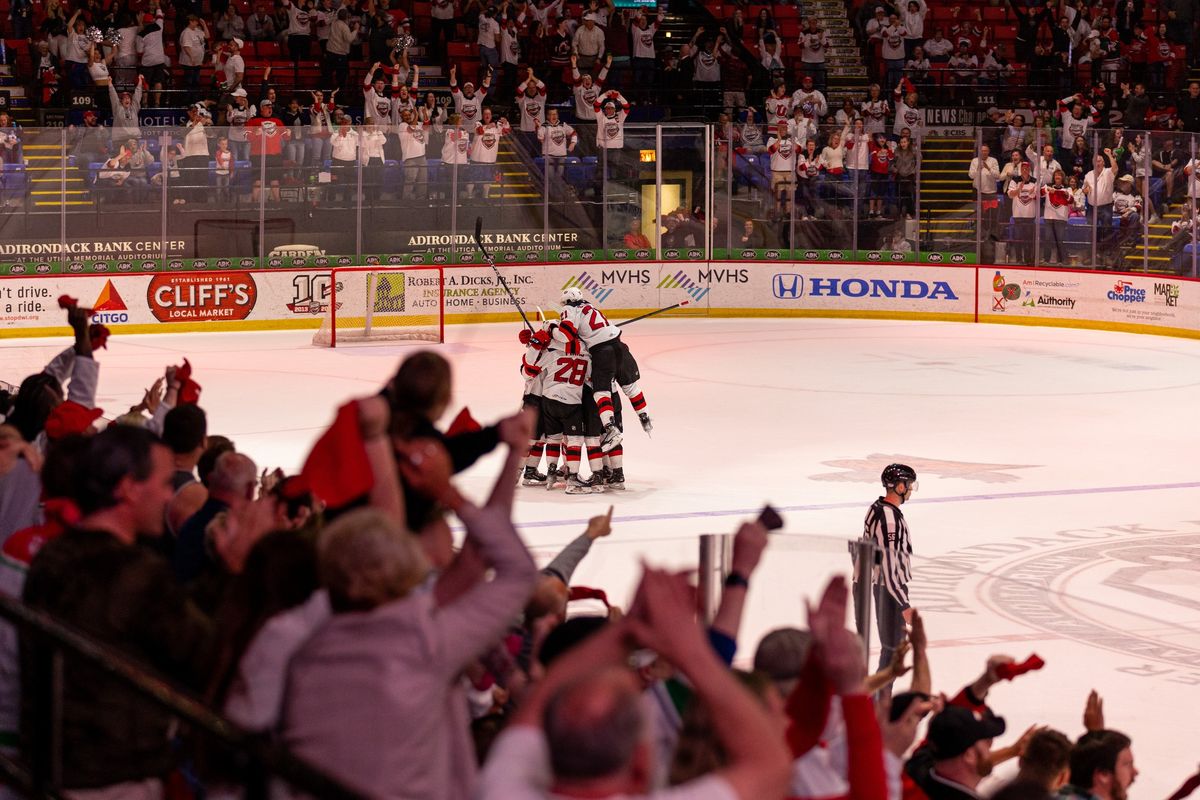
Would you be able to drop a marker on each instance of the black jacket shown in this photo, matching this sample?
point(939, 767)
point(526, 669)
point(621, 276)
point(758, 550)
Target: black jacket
point(126, 598)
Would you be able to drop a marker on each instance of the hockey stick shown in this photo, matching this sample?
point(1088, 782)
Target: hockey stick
point(654, 313)
point(492, 264)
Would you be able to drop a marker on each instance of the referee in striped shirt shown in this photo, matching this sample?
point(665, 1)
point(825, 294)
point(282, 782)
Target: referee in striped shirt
point(893, 568)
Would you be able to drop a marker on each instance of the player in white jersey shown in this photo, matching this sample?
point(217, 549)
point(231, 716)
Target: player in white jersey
point(468, 103)
point(532, 370)
point(582, 323)
point(531, 99)
point(611, 113)
point(811, 101)
point(566, 370)
point(377, 107)
point(484, 149)
point(779, 104)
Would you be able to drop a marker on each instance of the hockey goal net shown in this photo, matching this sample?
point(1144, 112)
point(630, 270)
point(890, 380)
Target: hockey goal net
point(383, 304)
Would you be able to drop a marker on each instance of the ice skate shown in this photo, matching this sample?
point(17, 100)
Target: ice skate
point(611, 438)
point(532, 477)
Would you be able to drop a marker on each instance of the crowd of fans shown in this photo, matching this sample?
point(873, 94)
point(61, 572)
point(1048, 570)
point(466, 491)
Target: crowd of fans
point(378, 101)
point(330, 611)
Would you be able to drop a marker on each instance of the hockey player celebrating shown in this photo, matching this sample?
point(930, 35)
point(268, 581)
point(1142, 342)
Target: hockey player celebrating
point(532, 363)
point(582, 323)
point(564, 375)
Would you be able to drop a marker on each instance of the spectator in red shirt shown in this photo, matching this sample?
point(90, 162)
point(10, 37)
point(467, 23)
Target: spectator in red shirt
point(266, 134)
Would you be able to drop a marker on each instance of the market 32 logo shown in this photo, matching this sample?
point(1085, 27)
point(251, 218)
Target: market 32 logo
point(1126, 292)
point(1169, 292)
point(587, 283)
point(110, 307)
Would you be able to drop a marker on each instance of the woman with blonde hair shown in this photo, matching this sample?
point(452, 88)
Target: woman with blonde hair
point(375, 697)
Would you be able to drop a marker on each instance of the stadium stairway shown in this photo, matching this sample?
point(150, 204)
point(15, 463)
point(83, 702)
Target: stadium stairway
point(847, 70)
point(44, 161)
point(946, 202)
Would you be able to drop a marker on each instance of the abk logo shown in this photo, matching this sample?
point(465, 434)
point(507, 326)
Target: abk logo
point(788, 286)
point(671, 254)
point(935, 258)
point(531, 256)
point(563, 255)
point(747, 254)
point(417, 259)
point(17, 269)
point(873, 256)
point(642, 254)
point(897, 256)
point(510, 257)
point(124, 266)
point(42, 269)
point(772, 255)
point(148, 266)
point(342, 261)
point(248, 263)
point(199, 263)
point(395, 259)
point(958, 258)
point(321, 261)
point(589, 284)
point(620, 255)
point(275, 262)
point(695, 254)
point(179, 265)
point(298, 261)
point(373, 260)
point(812, 255)
point(100, 266)
point(74, 266)
point(586, 255)
point(681, 281)
point(440, 258)
point(223, 263)
point(836, 255)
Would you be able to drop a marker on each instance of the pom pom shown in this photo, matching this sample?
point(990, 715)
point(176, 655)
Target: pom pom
point(112, 37)
point(1009, 671)
point(94, 34)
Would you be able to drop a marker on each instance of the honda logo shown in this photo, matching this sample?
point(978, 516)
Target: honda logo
point(787, 286)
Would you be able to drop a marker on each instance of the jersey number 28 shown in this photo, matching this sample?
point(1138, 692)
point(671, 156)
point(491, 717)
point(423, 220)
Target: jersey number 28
point(572, 371)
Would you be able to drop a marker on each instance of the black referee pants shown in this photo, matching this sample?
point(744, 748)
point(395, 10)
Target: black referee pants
point(889, 619)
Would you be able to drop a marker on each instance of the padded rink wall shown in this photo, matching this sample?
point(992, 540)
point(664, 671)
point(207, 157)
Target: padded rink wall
point(205, 300)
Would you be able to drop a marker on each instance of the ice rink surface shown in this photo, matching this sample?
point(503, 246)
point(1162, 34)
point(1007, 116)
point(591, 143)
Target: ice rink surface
point(1058, 512)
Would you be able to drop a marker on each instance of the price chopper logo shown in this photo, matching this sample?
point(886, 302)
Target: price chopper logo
point(682, 281)
point(1124, 292)
point(587, 283)
point(110, 308)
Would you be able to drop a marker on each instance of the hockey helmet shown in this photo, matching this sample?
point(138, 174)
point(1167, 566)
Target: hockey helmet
point(898, 473)
point(571, 296)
